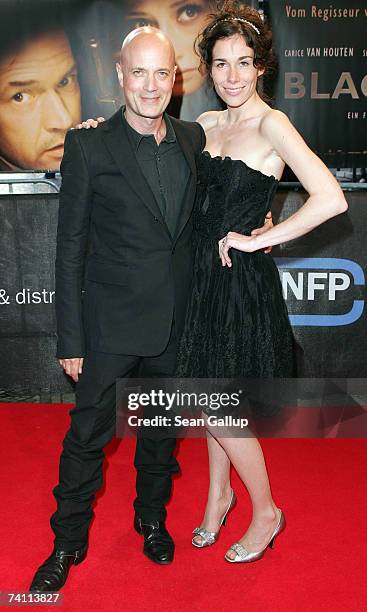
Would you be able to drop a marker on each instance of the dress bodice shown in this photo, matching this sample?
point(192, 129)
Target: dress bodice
point(231, 196)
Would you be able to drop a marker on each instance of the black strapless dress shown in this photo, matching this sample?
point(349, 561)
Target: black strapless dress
point(237, 322)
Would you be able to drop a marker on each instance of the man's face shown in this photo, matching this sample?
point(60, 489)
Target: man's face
point(181, 21)
point(147, 75)
point(39, 102)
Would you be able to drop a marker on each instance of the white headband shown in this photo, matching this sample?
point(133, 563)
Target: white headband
point(235, 19)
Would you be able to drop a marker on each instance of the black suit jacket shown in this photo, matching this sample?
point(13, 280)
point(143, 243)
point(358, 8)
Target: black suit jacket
point(120, 276)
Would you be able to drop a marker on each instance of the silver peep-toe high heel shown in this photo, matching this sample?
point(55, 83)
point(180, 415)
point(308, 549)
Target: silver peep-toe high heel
point(209, 537)
point(244, 556)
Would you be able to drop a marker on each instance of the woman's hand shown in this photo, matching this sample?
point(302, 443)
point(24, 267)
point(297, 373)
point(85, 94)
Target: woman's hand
point(247, 244)
point(90, 123)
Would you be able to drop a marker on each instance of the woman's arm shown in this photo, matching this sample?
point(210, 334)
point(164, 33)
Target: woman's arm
point(325, 200)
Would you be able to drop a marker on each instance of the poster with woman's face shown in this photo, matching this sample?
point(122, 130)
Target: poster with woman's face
point(180, 21)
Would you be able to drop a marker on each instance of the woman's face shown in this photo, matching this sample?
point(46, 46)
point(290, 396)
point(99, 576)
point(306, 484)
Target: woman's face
point(180, 21)
point(233, 72)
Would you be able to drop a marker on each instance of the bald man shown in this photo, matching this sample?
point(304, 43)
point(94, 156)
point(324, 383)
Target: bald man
point(123, 270)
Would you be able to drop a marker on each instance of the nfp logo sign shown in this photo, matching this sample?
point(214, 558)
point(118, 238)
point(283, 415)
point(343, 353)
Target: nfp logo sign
point(321, 284)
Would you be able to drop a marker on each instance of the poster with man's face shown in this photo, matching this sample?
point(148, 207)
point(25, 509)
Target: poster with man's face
point(39, 102)
point(40, 94)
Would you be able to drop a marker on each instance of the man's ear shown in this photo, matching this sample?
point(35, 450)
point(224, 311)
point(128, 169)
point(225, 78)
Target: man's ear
point(174, 72)
point(119, 74)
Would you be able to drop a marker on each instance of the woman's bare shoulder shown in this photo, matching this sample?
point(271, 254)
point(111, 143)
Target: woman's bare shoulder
point(273, 118)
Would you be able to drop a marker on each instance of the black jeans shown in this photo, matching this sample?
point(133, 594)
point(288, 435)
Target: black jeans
point(93, 425)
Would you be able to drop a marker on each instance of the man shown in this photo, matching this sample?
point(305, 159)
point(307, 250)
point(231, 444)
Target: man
point(39, 101)
point(124, 238)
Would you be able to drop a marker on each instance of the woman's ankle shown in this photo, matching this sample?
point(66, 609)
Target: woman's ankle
point(267, 514)
point(220, 494)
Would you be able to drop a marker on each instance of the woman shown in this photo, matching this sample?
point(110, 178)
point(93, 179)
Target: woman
point(237, 323)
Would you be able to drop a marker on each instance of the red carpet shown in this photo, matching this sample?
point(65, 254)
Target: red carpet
point(318, 563)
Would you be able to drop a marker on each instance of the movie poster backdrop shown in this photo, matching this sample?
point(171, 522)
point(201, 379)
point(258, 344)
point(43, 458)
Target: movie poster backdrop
point(57, 65)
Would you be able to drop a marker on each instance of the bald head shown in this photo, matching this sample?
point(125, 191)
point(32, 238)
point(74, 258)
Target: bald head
point(144, 37)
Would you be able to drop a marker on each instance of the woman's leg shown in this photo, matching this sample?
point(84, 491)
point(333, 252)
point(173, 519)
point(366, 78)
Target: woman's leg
point(219, 488)
point(247, 458)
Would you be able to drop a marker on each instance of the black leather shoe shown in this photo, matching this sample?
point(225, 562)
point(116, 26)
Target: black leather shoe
point(52, 574)
point(158, 544)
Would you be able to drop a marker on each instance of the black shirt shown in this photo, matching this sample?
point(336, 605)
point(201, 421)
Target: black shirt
point(165, 168)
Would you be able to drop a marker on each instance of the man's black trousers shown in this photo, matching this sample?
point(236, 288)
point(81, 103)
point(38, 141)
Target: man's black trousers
point(93, 425)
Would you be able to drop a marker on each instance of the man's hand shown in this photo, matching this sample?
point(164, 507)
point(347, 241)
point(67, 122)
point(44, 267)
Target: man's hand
point(72, 367)
point(261, 230)
point(90, 123)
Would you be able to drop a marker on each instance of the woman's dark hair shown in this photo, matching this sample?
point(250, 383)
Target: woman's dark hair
point(231, 19)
